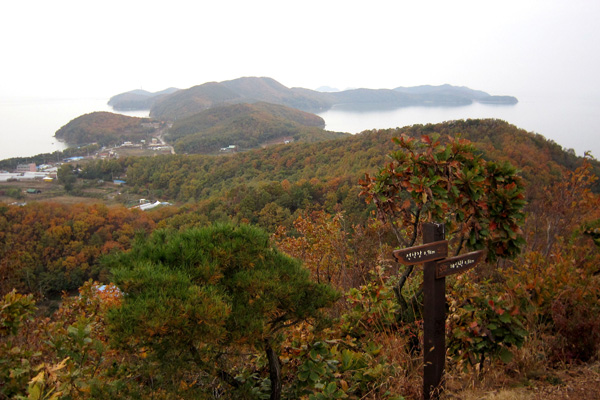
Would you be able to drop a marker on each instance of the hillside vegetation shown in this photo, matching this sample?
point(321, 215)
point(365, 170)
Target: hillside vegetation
point(272, 276)
point(246, 126)
point(104, 128)
point(349, 157)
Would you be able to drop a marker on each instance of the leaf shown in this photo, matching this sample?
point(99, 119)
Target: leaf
point(506, 355)
point(505, 318)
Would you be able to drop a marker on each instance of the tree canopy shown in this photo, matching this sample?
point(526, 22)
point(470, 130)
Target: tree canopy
point(481, 202)
point(212, 288)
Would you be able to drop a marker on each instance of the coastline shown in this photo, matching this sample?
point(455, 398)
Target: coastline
point(28, 125)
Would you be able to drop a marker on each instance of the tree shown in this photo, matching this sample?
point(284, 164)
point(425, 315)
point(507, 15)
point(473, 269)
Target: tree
point(195, 295)
point(480, 202)
point(66, 176)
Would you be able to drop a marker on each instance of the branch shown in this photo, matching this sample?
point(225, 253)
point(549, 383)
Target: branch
point(388, 219)
point(400, 285)
point(404, 277)
point(224, 375)
point(402, 242)
point(415, 298)
point(460, 245)
point(413, 239)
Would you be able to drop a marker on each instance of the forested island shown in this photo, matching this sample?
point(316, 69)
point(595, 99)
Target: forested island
point(245, 113)
point(106, 128)
point(175, 104)
point(137, 99)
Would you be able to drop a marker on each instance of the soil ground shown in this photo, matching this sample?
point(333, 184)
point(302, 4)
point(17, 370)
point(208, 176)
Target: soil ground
point(570, 382)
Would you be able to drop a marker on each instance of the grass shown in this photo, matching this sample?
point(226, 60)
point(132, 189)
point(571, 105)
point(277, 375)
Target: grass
point(54, 192)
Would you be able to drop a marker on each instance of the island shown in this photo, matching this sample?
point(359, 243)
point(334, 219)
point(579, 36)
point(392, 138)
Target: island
point(172, 104)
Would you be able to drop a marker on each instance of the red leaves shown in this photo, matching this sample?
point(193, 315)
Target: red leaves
point(454, 185)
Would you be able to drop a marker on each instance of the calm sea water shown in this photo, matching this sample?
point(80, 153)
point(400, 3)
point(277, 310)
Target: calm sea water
point(573, 123)
point(27, 125)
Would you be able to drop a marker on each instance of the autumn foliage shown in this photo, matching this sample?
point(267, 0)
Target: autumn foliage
point(47, 248)
point(207, 305)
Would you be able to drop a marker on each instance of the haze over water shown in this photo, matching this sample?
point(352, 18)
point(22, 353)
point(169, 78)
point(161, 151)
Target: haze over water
point(27, 125)
point(572, 122)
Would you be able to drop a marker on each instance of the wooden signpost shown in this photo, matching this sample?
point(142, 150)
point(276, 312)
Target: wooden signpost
point(456, 265)
point(436, 267)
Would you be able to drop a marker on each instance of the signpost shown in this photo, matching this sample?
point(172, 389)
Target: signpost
point(456, 265)
point(436, 267)
point(420, 254)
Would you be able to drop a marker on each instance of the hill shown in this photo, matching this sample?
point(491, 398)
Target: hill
point(454, 94)
point(253, 89)
point(184, 103)
point(245, 126)
point(426, 95)
point(105, 128)
point(243, 90)
point(343, 160)
point(271, 91)
point(137, 99)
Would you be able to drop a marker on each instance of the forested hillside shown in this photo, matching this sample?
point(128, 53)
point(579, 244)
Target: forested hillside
point(105, 128)
point(183, 177)
point(245, 126)
point(271, 275)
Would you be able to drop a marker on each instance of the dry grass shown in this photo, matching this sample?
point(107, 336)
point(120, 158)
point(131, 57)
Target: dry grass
point(54, 192)
point(569, 382)
point(528, 376)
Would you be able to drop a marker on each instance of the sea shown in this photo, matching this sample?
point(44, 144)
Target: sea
point(27, 125)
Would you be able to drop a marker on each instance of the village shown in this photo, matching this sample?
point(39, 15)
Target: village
point(31, 182)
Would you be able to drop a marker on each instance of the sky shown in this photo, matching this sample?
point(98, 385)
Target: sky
point(65, 48)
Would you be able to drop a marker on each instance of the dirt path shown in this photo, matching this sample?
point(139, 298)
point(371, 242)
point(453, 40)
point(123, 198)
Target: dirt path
point(160, 136)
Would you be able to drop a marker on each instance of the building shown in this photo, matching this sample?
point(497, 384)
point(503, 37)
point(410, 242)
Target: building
point(26, 168)
point(232, 148)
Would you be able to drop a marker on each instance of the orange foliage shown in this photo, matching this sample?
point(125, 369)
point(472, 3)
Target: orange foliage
point(556, 211)
point(50, 247)
point(321, 246)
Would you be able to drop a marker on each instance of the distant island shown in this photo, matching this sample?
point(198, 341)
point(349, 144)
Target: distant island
point(137, 99)
point(246, 113)
point(106, 128)
point(225, 128)
point(173, 104)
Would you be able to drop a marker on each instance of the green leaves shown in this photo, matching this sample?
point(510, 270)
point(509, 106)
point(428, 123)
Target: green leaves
point(449, 182)
point(483, 326)
point(15, 309)
point(339, 369)
point(199, 294)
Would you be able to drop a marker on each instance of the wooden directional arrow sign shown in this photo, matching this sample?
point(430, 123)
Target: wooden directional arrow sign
point(455, 265)
point(420, 254)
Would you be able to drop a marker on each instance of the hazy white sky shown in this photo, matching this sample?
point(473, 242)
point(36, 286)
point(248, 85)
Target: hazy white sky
point(101, 48)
